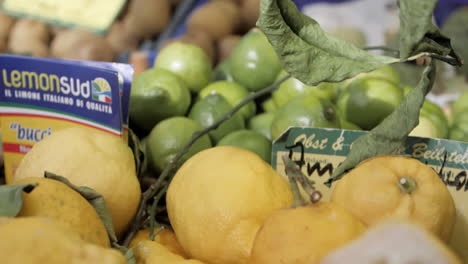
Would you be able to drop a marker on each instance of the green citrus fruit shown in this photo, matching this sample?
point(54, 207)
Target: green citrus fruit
point(211, 109)
point(387, 72)
point(222, 72)
point(234, 94)
point(188, 61)
point(157, 94)
point(292, 88)
point(461, 104)
point(249, 140)
point(254, 62)
point(269, 105)
point(437, 117)
point(425, 128)
point(367, 101)
point(306, 111)
point(459, 129)
point(169, 136)
point(261, 123)
point(348, 125)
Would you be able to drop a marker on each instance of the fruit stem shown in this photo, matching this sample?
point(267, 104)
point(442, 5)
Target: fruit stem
point(407, 185)
point(295, 175)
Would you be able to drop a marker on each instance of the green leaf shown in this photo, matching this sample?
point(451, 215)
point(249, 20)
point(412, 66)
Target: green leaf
point(390, 135)
point(418, 34)
point(307, 52)
point(96, 200)
point(11, 198)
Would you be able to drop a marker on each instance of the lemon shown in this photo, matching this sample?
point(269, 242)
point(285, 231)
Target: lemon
point(53, 199)
point(187, 61)
point(148, 251)
point(367, 101)
point(269, 105)
point(261, 123)
point(210, 110)
point(222, 72)
point(459, 128)
point(165, 237)
point(307, 111)
point(88, 157)
point(157, 94)
point(169, 136)
point(233, 92)
point(37, 240)
point(218, 200)
point(249, 140)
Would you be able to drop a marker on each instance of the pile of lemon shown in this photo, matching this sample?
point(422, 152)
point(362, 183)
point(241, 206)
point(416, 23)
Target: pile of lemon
point(226, 205)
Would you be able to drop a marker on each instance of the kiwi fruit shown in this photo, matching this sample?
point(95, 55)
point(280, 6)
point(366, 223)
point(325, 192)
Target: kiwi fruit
point(218, 19)
point(250, 10)
point(121, 40)
point(225, 46)
point(80, 44)
point(6, 24)
point(29, 37)
point(146, 18)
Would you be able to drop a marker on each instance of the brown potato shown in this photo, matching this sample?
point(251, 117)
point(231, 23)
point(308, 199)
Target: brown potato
point(29, 37)
point(225, 46)
point(146, 18)
point(120, 39)
point(218, 18)
point(80, 44)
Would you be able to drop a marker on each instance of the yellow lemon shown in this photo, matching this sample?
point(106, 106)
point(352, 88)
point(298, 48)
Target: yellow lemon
point(165, 237)
point(53, 199)
point(151, 252)
point(218, 200)
point(304, 234)
point(386, 187)
point(37, 240)
point(90, 158)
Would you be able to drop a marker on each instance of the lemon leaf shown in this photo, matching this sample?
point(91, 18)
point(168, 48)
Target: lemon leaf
point(419, 34)
point(11, 198)
point(96, 200)
point(388, 137)
point(309, 53)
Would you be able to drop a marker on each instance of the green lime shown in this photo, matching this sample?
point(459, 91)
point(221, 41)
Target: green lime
point(169, 136)
point(368, 101)
point(157, 94)
point(269, 105)
point(461, 104)
point(234, 94)
point(348, 125)
point(437, 117)
point(425, 128)
point(459, 129)
point(188, 61)
point(261, 123)
point(211, 109)
point(306, 111)
point(292, 87)
point(249, 140)
point(222, 72)
point(254, 62)
point(386, 72)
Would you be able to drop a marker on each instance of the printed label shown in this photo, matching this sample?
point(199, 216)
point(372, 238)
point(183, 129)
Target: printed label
point(319, 151)
point(39, 96)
